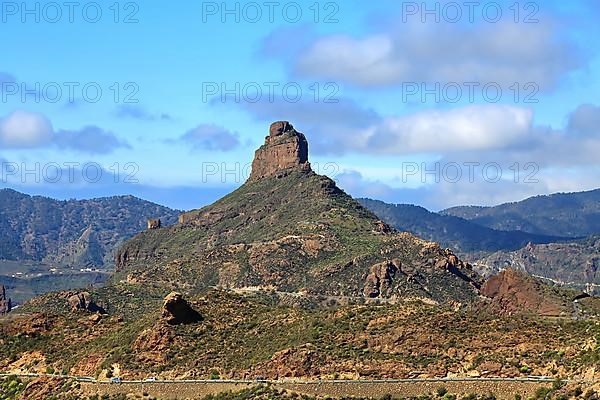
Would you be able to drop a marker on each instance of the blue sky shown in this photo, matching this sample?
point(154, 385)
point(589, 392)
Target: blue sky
point(379, 101)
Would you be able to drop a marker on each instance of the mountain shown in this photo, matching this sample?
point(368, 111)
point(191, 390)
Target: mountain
point(288, 276)
point(73, 233)
point(573, 264)
point(561, 214)
point(290, 229)
point(456, 233)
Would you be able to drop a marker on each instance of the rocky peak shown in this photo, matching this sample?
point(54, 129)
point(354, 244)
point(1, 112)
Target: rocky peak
point(285, 150)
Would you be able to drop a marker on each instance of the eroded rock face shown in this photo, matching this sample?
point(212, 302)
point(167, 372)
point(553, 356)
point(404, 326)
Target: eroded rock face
point(83, 302)
point(516, 292)
point(5, 303)
point(380, 278)
point(154, 223)
point(285, 149)
point(176, 310)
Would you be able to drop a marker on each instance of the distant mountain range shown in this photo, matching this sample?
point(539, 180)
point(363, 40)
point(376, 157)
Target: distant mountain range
point(456, 233)
point(73, 233)
point(561, 214)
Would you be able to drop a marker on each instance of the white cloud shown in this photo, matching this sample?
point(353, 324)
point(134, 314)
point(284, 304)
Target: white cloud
point(504, 53)
point(346, 127)
point(478, 127)
point(22, 129)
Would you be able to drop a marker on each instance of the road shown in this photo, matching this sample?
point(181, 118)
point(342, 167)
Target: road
point(300, 381)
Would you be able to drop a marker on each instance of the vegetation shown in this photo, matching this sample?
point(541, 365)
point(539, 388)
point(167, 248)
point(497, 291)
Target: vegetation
point(256, 334)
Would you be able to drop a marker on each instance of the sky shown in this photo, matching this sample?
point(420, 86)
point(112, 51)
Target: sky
point(438, 103)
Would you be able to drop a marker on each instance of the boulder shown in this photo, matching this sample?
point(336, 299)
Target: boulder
point(176, 310)
point(83, 302)
point(514, 292)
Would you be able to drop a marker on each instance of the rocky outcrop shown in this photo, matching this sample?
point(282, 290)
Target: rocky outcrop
point(176, 310)
point(514, 292)
point(285, 149)
point(83, 302)
point(380, 278)
point(154, 223)
point(5, 303)
point(301, 361)
point(157, 338)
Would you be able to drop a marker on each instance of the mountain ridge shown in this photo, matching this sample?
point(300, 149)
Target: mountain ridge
point(457, 233)
point(545, 214)
point(74, 233)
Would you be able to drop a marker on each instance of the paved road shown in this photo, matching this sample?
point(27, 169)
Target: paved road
point(300, 381)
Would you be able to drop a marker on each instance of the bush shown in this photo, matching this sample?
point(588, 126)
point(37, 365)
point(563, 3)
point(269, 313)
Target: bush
point(441, 391)
point(525, 369)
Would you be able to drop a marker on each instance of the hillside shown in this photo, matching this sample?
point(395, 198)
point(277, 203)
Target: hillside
point(573, 264)
point(293, 230)
point(456, 233)
point(259, 335)
point(73, 233)
point(288, 276)
point(561, 214)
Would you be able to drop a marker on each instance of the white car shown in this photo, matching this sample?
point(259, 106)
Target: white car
point(150, 379)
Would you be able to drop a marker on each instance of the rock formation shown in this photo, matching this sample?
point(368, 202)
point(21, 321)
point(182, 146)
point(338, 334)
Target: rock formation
point(514, 292)
point(83, 302)
point(285, 149)
point(5, 304)
point(380, 278)
point(176, 310)
point(154, 223)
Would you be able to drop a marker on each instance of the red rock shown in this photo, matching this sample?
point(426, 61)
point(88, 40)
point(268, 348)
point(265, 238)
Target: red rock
point(285, 150)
